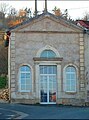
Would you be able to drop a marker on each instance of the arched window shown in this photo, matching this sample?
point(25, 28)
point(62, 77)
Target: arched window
point(70, 79)
point(48, 54)
point(25, 80)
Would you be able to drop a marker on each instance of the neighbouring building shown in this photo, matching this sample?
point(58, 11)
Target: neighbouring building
point(83, 23)
point(48, 62)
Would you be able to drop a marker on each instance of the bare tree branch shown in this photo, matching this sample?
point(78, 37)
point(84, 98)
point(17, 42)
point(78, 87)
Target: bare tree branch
point(4, 7)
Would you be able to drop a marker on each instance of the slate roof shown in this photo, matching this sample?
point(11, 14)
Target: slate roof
point(72, 23)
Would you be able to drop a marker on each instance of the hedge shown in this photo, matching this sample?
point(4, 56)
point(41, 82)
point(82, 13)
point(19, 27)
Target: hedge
point(3, 82)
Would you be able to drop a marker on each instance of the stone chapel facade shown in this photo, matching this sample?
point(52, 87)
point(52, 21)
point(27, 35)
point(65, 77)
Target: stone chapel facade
point(47, 62)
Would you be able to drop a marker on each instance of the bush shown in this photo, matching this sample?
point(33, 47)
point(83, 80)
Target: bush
point(3, 82)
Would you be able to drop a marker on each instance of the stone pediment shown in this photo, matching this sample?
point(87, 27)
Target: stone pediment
point(48, 23)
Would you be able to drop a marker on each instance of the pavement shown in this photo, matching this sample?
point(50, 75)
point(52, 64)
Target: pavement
point(25, 111)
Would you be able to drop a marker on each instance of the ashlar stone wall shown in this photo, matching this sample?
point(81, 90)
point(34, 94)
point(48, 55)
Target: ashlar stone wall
point(25, 43)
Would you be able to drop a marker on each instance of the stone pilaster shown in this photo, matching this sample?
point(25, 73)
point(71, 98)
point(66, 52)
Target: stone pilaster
point(82, 67)
point(37, 89)
point(12, 60)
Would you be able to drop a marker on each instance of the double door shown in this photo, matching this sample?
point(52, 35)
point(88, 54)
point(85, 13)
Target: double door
point(48, 84)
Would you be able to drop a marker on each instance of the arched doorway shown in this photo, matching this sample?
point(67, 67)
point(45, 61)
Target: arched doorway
point(48, 75)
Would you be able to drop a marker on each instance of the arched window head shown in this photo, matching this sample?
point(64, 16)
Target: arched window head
point(48, 54)
point(25, 68)
point(70, 69)
point(70, 79)
point(25, 79)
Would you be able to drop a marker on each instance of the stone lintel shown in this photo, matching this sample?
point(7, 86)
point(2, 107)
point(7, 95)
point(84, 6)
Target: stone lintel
point(47, 59)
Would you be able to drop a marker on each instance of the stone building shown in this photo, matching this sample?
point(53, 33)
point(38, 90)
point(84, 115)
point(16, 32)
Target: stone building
point(47, 62)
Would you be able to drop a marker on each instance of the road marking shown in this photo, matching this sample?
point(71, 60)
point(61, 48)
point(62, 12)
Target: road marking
point(22, 115)
point(9, 115)
point(19, 115)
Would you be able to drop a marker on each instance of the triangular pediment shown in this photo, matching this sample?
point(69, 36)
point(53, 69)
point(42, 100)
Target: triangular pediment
point(48, 23)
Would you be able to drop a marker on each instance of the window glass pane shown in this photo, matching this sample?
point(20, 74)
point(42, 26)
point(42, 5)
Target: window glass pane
point(67, 88)
point(22, 68)
point(27, 68)
point(73, 76)
point(28, 87)
point(50, 85)
point(22, 81)
point(68, 69)
point(48, 54)
point(41, 69)
point(70, 78)
point(27, 81)
point(72, 69)
point(68, 82)
point(25, 77)
point(54, 69)
point(73, 88)
point(50, 69)
point(51, 79)
point(45, 70)
point(51, 54)
point(73, 83)
point(44, 54)
point(22, 87)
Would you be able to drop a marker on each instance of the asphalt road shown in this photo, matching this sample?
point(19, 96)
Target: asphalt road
point(20, 111)
point(7, 114)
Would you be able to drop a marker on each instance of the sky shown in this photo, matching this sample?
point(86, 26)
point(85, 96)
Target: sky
point(76, 9)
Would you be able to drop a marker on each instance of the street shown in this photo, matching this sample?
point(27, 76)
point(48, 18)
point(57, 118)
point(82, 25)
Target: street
point(20, 111)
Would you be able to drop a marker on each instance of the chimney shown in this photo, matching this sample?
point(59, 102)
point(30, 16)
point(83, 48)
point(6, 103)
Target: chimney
point(35, 7)
point(45, 5)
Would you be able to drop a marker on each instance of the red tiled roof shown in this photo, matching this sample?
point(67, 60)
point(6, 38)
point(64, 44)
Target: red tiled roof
point(84, 23)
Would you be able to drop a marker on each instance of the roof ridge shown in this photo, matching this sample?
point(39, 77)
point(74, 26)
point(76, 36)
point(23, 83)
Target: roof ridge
point(45, 13)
